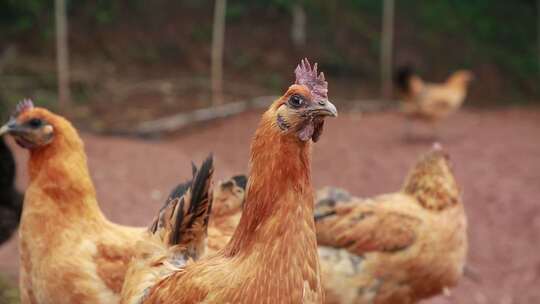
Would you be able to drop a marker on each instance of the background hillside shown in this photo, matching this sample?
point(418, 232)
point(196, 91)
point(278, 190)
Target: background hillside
point(155, 57)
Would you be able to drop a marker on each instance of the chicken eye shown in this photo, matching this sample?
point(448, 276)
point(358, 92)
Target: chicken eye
point(296, 101)
point(35, 123)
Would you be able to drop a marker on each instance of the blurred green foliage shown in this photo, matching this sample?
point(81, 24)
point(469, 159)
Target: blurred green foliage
point(504, 31)
point(462, 33)
point(17, 16)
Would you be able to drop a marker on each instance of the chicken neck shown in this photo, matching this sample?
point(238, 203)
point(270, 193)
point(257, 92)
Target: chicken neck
point(277, 220)
point(59, 172)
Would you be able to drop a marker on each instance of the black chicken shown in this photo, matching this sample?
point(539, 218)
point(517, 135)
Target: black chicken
point(10, 199)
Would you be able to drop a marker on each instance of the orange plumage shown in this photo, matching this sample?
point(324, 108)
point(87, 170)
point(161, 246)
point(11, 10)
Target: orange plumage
point(272, 256)
point(70, 253)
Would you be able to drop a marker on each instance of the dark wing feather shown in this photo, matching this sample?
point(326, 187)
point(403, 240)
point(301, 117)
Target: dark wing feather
point(183, 220)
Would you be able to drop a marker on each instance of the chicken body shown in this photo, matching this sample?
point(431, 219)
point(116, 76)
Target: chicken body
point(394, 248)
point(420, 264)
point(69, 252)
point(433, 101)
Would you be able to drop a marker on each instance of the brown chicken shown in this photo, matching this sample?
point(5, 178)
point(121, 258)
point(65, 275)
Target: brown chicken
point(272, 255)
point(394, 248)
point(69, 251)
point(432, 101)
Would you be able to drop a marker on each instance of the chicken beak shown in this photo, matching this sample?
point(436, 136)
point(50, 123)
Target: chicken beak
point(10, 127)
point(324, 108)
point(6, 128)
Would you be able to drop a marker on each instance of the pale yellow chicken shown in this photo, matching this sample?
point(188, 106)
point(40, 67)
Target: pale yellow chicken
point(432, 101)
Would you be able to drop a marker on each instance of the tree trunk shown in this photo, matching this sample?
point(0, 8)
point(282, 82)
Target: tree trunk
point(62, 53)
point(298, 27)
point(218, 38)
point(386, 49)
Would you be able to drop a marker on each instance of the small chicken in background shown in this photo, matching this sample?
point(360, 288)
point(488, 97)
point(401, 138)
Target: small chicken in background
point(431, 102)
point(394, 248)
point(272, 255)
point(11, 200)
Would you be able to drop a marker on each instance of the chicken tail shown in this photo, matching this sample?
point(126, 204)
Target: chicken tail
point(432, 182)
point(183, 221)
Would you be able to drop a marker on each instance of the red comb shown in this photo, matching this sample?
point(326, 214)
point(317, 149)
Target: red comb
point(305, 75)
point(23, 106)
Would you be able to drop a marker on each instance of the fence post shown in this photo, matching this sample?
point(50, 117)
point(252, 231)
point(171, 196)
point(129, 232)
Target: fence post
point(538, 32)
point(386, 49)
point(298, 26)
point(218, 38)
point(62, 54)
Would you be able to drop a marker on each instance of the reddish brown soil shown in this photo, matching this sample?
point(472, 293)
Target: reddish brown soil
point(496, 156)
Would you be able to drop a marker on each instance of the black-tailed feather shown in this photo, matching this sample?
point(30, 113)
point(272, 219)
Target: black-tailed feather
point(183, 221)
point(199, 193)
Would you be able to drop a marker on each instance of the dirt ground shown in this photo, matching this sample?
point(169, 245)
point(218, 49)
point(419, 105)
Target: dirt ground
point(496, 157)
